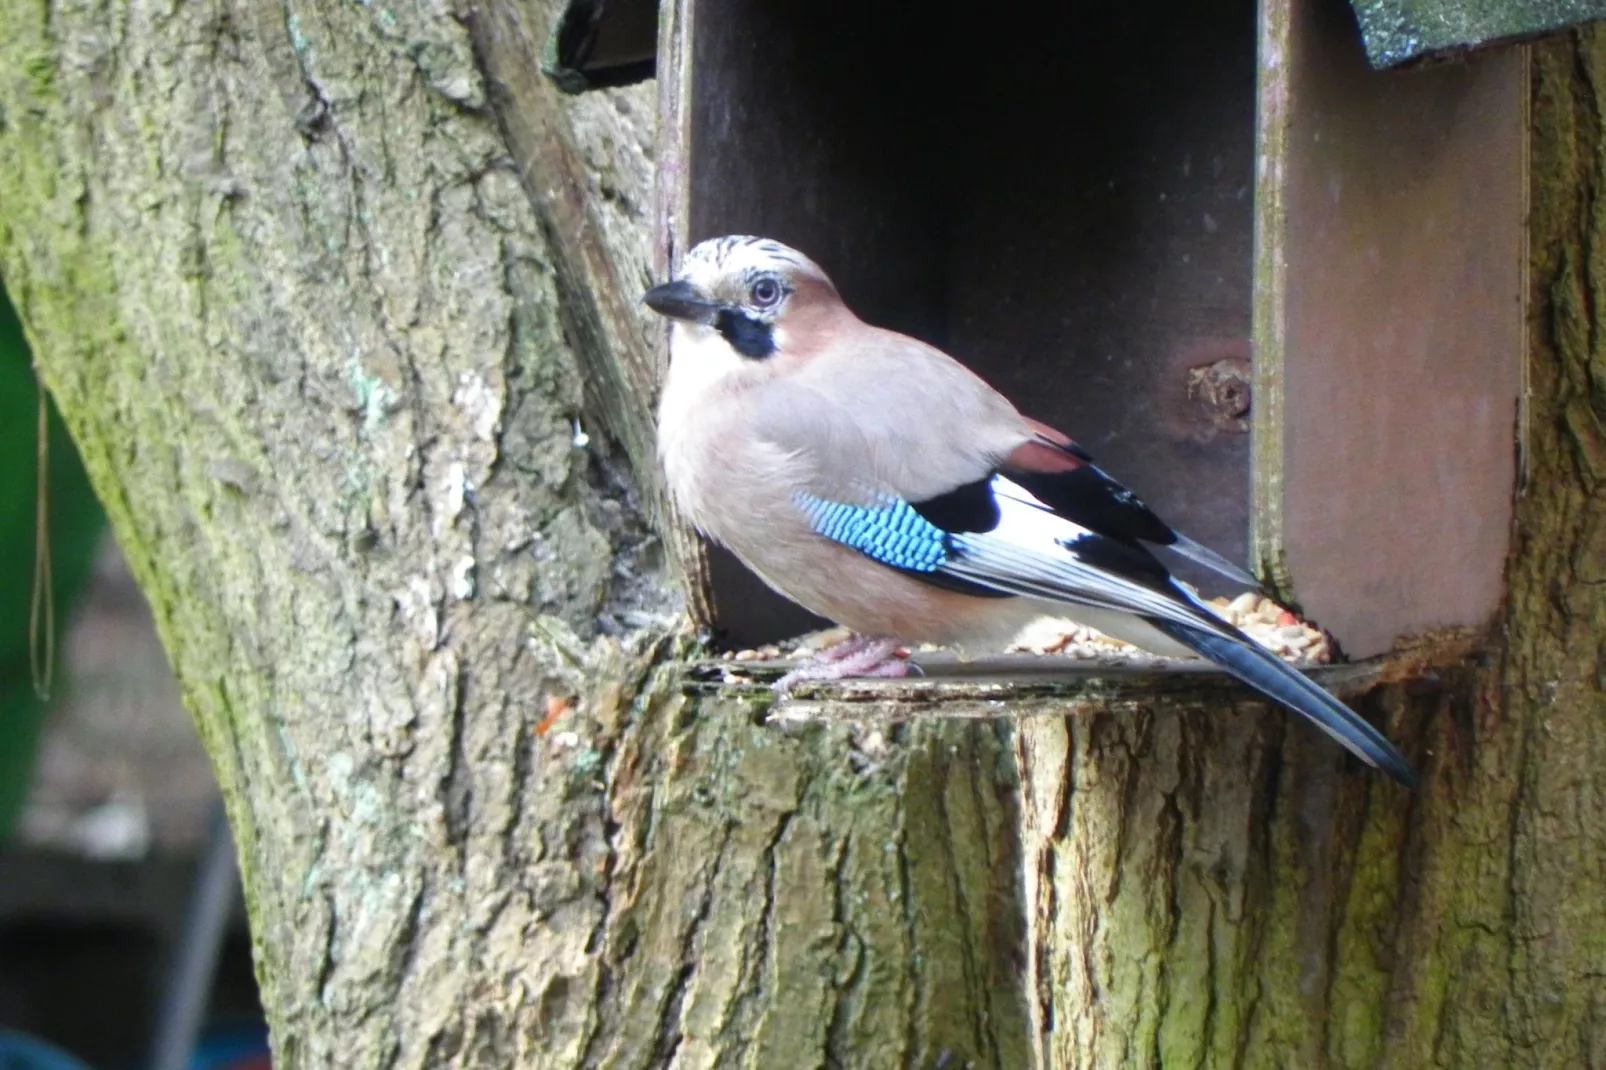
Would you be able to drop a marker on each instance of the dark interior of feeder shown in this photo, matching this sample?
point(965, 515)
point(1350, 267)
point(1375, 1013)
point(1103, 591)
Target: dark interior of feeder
point(1058, 195)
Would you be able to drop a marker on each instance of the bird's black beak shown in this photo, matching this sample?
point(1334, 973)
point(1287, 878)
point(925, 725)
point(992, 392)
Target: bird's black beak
point(680, 300)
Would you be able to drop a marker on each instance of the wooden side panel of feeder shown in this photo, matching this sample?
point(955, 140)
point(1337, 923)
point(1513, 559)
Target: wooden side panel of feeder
point(1062, 202)
point(1389, 328)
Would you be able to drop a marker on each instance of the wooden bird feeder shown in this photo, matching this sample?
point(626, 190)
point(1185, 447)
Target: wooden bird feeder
point(1276, 291)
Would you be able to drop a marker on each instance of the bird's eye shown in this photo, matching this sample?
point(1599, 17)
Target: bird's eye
point(765, 292)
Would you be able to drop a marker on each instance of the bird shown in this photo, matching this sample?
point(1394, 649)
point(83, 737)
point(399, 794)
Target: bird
point(878, 482)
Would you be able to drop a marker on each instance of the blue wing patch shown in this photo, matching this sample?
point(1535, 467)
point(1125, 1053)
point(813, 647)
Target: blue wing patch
point(893, 534)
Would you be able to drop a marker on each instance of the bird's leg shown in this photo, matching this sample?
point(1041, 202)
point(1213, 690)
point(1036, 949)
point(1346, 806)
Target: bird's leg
point(859, 656)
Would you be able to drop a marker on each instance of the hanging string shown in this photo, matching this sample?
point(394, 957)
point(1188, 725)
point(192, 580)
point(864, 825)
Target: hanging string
point(42, 607)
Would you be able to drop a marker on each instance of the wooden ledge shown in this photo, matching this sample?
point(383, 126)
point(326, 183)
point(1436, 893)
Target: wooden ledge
point(1027, 685)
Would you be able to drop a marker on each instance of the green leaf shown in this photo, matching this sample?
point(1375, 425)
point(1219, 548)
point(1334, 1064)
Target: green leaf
point(76, 527)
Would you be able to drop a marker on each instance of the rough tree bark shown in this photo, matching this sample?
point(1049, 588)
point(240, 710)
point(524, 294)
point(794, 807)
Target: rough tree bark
point(331, 321)
point(328, 349)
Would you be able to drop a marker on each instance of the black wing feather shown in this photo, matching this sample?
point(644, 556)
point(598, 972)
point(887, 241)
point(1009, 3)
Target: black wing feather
point(1092, 499)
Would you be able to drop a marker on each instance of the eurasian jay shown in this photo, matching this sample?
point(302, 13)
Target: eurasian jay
point(879, 483)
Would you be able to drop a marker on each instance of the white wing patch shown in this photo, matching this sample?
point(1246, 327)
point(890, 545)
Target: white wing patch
point(1030, 553)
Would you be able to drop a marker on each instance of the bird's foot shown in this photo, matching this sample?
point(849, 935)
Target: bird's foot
point(856, 657)
point(840, 651)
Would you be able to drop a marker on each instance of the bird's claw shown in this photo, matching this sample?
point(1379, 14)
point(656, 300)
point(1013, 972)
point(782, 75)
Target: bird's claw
point(857, 657)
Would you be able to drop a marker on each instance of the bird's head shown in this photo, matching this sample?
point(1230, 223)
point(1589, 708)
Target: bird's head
point(754, 295)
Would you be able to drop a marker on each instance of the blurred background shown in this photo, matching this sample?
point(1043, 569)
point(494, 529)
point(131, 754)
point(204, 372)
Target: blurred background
point(123, 943)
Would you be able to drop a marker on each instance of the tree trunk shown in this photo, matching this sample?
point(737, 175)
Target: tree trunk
point(329, 352)
point(332, 298)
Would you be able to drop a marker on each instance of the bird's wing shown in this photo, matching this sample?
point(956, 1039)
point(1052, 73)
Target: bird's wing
point(995, 535)
point(1062, 475)
point(911, 421)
